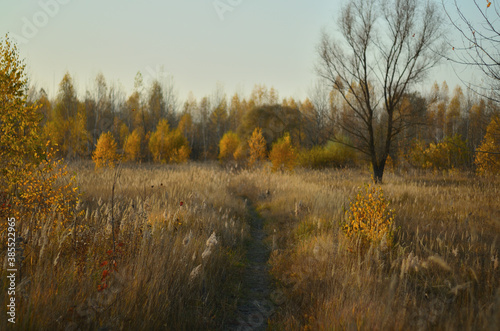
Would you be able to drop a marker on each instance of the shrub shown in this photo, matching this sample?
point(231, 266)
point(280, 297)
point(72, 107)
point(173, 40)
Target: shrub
point(342, 154)
point(283, 155)
point(369, 219)
point(45, 190)
point(450, 153)
point(105, 153)
point(334, 154)
point(315, 158)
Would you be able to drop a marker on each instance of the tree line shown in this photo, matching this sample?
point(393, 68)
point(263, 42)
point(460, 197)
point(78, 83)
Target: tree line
point(151, 125)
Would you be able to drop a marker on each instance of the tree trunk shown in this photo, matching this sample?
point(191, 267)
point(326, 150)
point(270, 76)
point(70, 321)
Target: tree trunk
point(378, 171)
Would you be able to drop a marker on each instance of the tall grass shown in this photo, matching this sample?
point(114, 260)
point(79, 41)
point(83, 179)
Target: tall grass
point(166, 273)
point(441, 273)
point(179, 252)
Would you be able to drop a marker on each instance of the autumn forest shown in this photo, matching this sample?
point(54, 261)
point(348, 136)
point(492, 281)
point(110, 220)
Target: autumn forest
point(365, 205)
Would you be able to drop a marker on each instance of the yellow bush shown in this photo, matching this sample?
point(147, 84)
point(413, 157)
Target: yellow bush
point(228, 146)
point(257, 147)
point(45, 190)
point(369, 218)
point(283, 155)
point(105, 153)
point(488, 154)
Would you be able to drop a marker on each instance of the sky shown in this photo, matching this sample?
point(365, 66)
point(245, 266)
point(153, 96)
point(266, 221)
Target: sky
point(200, 43)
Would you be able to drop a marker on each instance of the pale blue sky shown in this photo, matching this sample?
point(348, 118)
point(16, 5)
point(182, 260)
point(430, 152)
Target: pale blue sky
point(257, 42)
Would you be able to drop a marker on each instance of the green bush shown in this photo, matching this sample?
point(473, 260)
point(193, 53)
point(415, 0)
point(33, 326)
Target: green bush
point(334, 154)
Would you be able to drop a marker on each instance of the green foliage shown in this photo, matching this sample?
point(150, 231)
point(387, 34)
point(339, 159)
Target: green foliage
point(334, 154)
point(274, 120)
point(450, 153)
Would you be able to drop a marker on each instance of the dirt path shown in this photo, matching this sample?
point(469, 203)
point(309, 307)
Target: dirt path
point(255, 306)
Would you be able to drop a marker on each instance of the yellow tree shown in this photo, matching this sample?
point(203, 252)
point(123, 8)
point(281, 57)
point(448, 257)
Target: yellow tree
point(19, 129)
point(105, 153)
point(257, 147)
point(67, 124)
point(168, 146)
point(158, 141)
point(132, 145)
point(488, 154)
point(228, 146)
point(283, 156)
point(123, 132)
point(33, 185)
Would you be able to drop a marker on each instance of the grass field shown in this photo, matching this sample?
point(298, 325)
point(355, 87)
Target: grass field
point(184, 236)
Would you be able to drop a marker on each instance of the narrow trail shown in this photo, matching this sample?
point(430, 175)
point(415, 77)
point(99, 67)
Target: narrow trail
point(255, 306)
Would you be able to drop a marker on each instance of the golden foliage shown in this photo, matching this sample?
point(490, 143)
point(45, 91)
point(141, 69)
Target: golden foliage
point(228, 146)
point(182, 154)
point(488, 154)
point(369, 218)
point(105, 153)
point(123, 133)
point(32, 183)
point(241, 152)
point(168, 146)
point(19, 129)
point(283, 155)
point(132, 145)
point(67, 121)
point(45, 190)
point(257, 147)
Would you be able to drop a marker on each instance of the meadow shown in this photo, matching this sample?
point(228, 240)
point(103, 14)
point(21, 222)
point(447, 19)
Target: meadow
point(166, 247)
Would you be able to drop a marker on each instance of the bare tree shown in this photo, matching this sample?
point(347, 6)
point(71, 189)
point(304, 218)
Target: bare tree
point(479, 45)
point(385, 47)
point(319, 97)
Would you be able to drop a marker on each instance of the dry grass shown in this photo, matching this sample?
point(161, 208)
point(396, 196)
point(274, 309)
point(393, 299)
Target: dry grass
point(442, 273)
point(168, 275)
